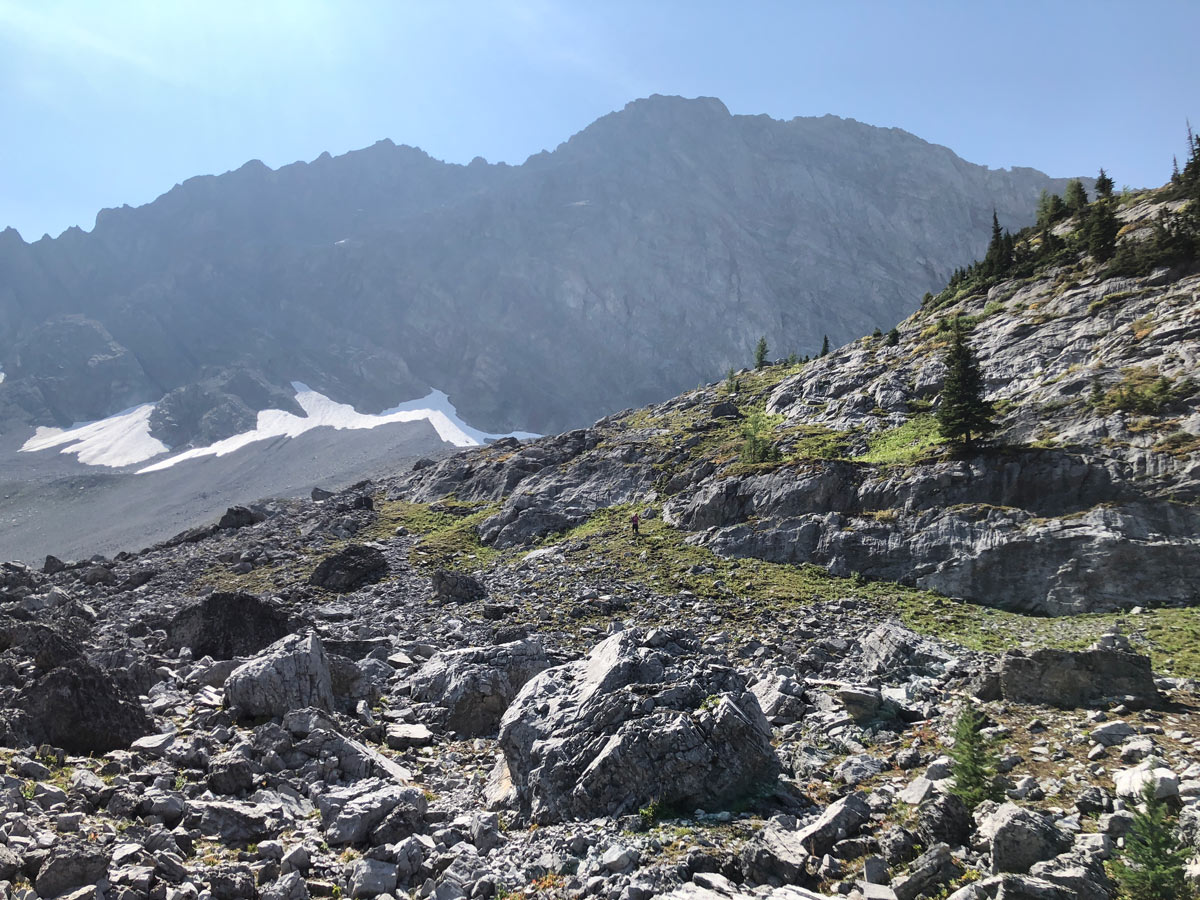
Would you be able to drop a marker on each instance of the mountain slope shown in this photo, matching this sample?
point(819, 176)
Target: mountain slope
point(1086, 500)
point(641, 255)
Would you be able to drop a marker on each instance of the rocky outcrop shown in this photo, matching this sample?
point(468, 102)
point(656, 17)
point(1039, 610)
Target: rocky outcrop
point(1036, 532)
point(640, 720)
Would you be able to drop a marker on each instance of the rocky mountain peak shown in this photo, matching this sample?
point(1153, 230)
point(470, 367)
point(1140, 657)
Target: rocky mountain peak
point(383, 274)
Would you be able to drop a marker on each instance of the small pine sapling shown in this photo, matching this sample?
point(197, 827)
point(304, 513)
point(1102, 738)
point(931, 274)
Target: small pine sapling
point(1152, 866)
point(974, 766)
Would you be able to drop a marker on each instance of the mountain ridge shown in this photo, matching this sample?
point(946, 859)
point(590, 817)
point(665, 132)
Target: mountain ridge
point(383, 273)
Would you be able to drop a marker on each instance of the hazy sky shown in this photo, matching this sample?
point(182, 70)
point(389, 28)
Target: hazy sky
point(104, 102)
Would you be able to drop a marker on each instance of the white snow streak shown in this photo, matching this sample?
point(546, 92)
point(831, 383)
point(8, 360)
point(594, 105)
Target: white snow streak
point(120, 440)
point(124, 439)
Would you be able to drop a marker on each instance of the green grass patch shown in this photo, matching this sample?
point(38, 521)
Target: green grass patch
point(1180, 444)
point(739, 590)
point(916, 439)
point(447, 530)
point(1170, 636)
point(817, 442)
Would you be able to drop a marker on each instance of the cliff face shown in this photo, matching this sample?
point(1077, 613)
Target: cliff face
point(1086, 499)
point(641, 256)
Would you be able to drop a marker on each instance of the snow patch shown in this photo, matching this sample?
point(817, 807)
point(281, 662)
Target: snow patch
point(120, 440)
point(125, 440)
point(320, 412)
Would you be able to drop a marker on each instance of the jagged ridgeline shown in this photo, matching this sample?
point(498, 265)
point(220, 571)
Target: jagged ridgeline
point(628, 264)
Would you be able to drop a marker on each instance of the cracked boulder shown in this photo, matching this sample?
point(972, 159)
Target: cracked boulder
point(475, 685)
point(291, 674)
point(643, 718)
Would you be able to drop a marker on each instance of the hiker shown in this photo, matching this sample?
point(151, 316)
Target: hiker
point(634, 521)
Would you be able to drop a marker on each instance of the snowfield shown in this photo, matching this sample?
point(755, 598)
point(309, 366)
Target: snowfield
point(125, 439)
point(120, 440)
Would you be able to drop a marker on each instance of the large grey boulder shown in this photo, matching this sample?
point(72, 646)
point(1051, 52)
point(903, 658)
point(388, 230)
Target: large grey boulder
point(70, 865)
point(352, 813)
point(456, 587)
point(232, 822)
point(476, 684)
point(776, 853)
point(80, 708)
point(840, 820)
point(894, 653)
point(1069, 679)
point(350, 568)
point(1019, 837)
point(643, 718)
point(931, 869)
point(290, 674)
point(225, 625)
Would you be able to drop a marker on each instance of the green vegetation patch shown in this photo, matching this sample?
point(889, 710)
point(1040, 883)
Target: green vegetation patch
point(1180, 444)
point(1143, 389)
point(915, 440)
point(740, 590)
point(448, 532)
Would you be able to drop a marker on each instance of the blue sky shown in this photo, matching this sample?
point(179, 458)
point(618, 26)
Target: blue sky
point(112, 102)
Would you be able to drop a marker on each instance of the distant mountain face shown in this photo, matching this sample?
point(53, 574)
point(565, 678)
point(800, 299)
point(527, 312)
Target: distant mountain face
point(646, 254)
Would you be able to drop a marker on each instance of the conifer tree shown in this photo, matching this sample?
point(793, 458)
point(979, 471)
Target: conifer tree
point(963, 414)
point(1152, 867)
point(824, 347)
point(1104, 185)
point(760, 353)
point(1077, 198)
point(1101, 229)
point(893, 337)
point(994, 261)
point(974, 766)
point(1051, 208)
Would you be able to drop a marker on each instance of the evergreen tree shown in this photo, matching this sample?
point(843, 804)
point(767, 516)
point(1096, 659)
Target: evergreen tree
point(1050, 245)
point(1152, 867)
point(1100, 230)
point(1077, 198)
point(1051, 209)
point(760, 353)
point(893, 338)
point(1104, 185)
point(1189, 177)
point(995, 262)
point(824, 347)
point(974, 766)
point(963, 414)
